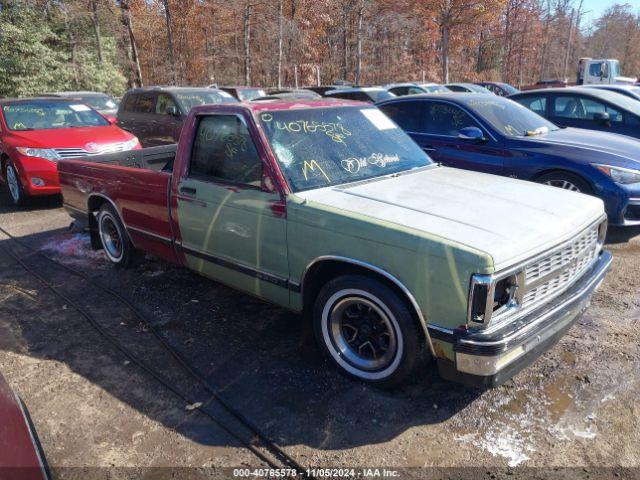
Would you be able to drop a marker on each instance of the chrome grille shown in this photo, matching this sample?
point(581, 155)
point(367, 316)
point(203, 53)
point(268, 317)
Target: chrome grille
point(81, 152)
point(554, 273)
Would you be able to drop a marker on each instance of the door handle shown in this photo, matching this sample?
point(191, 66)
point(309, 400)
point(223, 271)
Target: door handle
point(188, 190)
point(429, 148)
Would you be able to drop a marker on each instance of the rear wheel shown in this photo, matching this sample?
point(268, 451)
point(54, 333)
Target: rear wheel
point(14, 185)
point(566, 181)
point(367, 331)
point(114, 238)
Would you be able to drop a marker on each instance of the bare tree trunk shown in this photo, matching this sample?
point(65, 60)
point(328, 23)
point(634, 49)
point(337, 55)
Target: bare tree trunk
point(445, 53)
point(172, 57)
point(128, 23)
point(345, 43)
point(280, 2)
point(95, 20)
point(247, 43)
point(568, 49)
point(545, 48)
point(359, 42)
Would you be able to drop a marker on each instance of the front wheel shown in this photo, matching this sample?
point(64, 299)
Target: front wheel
point(113, 237)
point(14, 185)
point(367, 331)
point(566, 181)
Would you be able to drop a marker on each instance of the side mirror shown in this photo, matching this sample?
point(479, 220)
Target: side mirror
point(111, 119)
point(604, 70)
point(172, 110)
point(602, 117)
point(473, 134)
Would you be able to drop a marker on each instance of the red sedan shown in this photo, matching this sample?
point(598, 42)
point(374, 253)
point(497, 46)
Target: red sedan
point(37, 132)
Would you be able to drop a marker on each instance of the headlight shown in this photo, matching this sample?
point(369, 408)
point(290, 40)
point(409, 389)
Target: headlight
point(620, 175)
point(131, 144)
point(491, 296)
point(46, 153)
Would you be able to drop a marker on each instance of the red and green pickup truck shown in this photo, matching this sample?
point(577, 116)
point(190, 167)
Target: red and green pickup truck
point(328, 208)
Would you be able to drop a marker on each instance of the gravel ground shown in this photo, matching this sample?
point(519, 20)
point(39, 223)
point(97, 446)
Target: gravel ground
point(570, 414)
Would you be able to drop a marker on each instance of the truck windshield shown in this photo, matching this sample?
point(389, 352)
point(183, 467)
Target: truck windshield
point(508, 117)
point(320, 147)
point(206, 96)
point(44, 115)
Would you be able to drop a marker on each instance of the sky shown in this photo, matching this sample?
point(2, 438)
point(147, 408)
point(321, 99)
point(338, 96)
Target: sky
point(597, 7)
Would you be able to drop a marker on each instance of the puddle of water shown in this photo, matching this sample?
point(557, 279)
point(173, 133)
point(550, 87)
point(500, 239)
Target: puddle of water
point(75, 247)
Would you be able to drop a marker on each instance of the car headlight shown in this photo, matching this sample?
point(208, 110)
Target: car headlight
point(131, 144)
point(46, 153)
point(619, 174)
point(491, 296)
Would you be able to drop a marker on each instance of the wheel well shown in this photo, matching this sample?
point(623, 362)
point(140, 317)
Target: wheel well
point(320, 273)
point(560, 170)
point(93, 205)
point(3, 162)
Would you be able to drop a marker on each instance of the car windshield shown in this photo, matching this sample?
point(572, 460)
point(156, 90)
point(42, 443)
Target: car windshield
point(508, 88)
point(510, 118)
point(321, 147)
point(192, 98)
point(44, 115)
point(436, 88)
point(99, 102)
point(477, 88)
point(377, 95)
point(251, 93)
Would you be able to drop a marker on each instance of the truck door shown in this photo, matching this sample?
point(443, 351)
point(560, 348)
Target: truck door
point(231, 227)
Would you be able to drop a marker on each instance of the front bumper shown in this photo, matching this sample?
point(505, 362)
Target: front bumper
point(38, 176)
point(488, 360)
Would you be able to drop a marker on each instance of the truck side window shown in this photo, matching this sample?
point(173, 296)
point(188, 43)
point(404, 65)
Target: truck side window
point(223, 149)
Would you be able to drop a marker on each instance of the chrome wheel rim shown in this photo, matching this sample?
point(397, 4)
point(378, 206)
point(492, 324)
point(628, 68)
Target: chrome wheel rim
point(111, 237)
point(563, 184)
point(362, 334)
point(12, 182)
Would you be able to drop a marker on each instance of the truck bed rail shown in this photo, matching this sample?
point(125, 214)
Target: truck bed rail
point(152, 158)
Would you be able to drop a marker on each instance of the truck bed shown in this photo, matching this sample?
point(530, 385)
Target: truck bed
point(135, 182)
point(159, 159)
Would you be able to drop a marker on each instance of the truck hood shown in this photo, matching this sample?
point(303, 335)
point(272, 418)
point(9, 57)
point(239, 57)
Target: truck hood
point(589, 146)
point(510, 220)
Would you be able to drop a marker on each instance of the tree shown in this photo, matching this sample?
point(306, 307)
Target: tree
point(29, 62)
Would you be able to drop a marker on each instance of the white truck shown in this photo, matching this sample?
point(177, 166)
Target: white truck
point(601, 71)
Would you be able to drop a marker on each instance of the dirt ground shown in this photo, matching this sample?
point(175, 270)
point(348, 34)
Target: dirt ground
point(94, 411)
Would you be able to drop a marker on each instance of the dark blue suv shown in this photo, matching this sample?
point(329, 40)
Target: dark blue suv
point(492, 134)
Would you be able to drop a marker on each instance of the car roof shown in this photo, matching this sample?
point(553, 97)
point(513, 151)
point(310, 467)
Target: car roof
point(73, 94)
point(280, 104)
point(355, 89)
point(457, 97)
point(403, 84)
point(611, 87)
point(6, 101)
point(596, 92)
point(169, 89)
